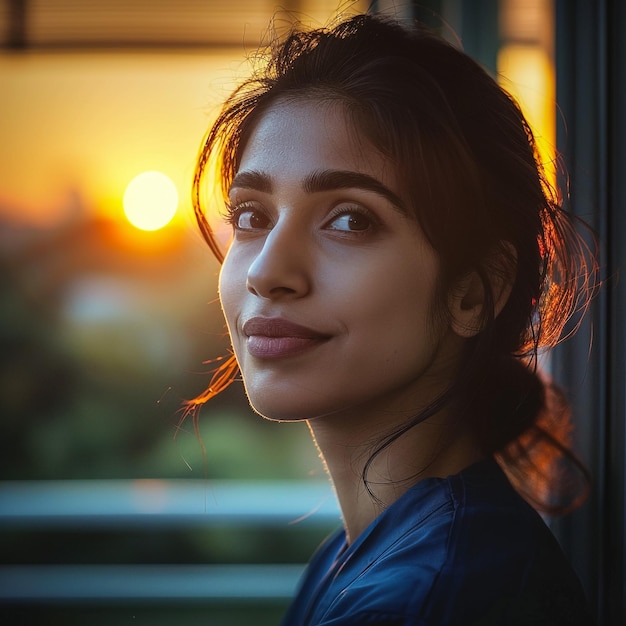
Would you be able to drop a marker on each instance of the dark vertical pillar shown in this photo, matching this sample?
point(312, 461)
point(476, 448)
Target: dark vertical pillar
point(591, 71)
point(479, 31)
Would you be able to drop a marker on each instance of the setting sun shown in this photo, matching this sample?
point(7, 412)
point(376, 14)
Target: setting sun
point(150, 200)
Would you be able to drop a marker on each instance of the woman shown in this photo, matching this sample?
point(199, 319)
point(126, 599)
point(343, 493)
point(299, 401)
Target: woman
point(397, 261)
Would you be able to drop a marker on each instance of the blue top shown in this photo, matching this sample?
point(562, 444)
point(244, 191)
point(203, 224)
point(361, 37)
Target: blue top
point(464, 550)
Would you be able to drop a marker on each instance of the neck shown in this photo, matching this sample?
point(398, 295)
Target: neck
point(437, 447)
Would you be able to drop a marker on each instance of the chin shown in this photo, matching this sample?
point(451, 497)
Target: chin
point(274, 411)
point(278, 416)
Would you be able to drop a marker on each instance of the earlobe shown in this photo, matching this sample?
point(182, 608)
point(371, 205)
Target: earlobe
point(467, 298)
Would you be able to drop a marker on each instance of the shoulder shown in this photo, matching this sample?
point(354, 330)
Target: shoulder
point(453, 551)
point(503, 562)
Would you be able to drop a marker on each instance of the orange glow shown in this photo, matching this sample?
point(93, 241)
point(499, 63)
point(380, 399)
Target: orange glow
point(150, 201)
point(529, 77)
point(76, 128)
point(77, 125)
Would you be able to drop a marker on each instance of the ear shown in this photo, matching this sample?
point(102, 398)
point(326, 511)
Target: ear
point(466, 298)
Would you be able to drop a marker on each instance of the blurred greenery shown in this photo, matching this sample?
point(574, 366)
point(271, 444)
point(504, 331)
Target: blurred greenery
point(102, 339)
point(93, 373)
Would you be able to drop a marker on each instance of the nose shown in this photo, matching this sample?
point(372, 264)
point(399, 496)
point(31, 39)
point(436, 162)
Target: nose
point(282, 269)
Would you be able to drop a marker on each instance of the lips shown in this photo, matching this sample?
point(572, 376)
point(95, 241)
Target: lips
point(275, 337)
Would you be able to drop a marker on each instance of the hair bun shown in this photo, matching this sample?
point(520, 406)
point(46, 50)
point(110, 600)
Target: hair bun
point(516, 398)
point(529, 430)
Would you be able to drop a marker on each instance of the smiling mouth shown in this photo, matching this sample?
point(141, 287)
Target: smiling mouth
point(274, 338)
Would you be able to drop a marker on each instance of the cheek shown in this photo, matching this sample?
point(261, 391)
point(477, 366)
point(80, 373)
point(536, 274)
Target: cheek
point(410, 290)
point(415, 310)
point(231, 281)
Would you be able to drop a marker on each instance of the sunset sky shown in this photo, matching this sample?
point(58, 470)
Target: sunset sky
point(76, 128)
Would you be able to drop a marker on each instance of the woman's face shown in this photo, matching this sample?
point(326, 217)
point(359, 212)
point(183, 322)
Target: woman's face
point(329, 287)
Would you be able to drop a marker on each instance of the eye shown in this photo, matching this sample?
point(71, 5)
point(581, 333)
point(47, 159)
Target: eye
point(352, 220)
point(247, 216)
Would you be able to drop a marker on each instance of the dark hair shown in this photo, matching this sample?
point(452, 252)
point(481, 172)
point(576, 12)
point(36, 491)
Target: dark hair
point(467, 157)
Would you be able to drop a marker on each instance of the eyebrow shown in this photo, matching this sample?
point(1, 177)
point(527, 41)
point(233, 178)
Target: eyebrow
point(252, 180)
point(322, 180)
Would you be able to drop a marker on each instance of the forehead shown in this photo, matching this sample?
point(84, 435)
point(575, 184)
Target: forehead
point(298, 136)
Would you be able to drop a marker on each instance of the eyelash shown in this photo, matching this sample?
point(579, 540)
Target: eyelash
point(234, 211)
point(352, 210)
